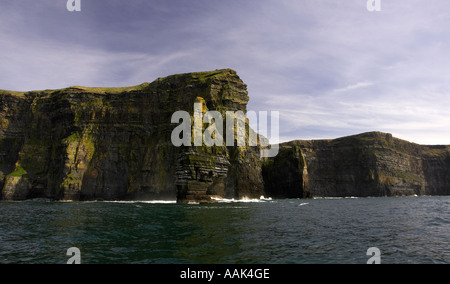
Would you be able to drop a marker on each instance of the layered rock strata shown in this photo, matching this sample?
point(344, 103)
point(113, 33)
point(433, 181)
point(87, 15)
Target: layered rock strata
point(115, 143)
point(369, 164)
point(84, 143)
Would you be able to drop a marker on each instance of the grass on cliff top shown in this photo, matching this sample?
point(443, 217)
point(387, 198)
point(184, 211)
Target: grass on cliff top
point(204, 76)
point(436, 150)
point(194, 76)
point(110, 90)
point(93, 90)
point(12, 93)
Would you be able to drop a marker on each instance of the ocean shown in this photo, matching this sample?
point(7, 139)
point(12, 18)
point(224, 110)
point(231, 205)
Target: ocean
point(404, 230)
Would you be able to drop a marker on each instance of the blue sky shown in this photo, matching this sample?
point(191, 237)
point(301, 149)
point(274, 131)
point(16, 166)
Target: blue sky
point(331, 68)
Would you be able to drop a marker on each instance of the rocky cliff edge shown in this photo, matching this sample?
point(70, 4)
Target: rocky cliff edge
point(84, 143)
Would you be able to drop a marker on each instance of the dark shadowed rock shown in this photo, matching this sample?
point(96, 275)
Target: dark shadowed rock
point(369, 164)
point(286, 175)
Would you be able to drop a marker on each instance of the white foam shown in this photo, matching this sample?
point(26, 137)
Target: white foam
point(244, 200)
point(143, 201)
point(328, 197)
point(336, 197)
point(160, 202)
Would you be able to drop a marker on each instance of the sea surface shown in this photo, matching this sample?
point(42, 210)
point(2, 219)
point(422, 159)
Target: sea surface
point(329, 230)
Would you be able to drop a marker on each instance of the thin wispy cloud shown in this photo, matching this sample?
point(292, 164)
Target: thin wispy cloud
point(353, 87)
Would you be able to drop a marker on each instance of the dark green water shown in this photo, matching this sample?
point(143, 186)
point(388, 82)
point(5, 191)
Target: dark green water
point(405, 229)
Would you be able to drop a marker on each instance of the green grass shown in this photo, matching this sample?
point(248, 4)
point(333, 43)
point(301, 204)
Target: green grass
point(12, 93)
point(435, 151)
point(111, 90)
point(94, 90)
point(75, 137)
point(18, 172)
point(195, 76)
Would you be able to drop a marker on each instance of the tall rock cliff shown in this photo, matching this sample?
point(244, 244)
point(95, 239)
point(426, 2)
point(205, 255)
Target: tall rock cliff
point(369, 164)
point(115, 143)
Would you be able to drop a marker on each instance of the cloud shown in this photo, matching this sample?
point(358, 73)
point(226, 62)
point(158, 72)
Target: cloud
point(353, 87)
point(35, 65)
point(330, 67)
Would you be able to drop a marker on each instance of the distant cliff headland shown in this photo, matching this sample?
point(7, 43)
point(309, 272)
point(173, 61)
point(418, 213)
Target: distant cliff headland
point(369, 164)
point(84, 143)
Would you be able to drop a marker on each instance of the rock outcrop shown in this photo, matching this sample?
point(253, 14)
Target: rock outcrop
point(115, 143)
point(369, 164)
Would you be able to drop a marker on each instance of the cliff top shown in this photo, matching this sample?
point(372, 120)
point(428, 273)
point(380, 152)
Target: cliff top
point(12, 93)
point(193, 76)
point(204, 76)
point(378, 139)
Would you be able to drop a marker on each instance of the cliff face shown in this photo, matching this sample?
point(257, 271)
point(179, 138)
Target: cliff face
point(286, 175)
point(115, 143)
point(371, 164)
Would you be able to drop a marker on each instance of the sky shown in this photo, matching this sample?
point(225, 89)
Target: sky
point(330, 68)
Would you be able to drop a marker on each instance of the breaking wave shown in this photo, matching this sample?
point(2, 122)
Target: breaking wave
point(243, 200)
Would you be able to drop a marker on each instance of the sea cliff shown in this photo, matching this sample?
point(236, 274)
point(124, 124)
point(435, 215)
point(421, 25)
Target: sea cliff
point(368, 164)
point(82, 143)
